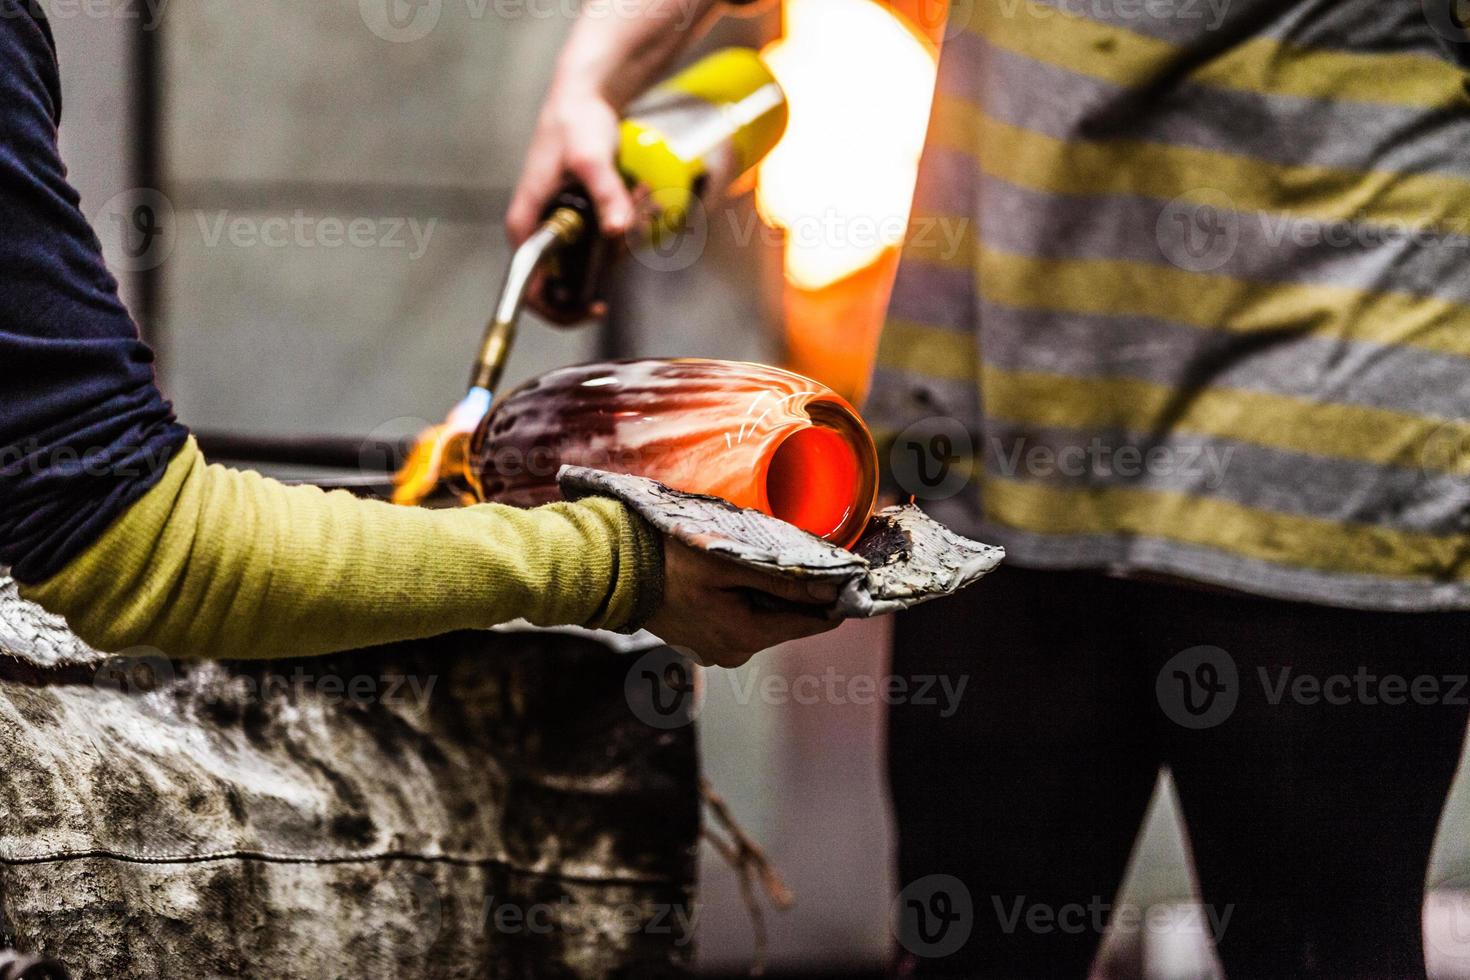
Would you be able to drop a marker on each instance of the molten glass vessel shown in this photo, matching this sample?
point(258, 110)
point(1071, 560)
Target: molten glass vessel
point(757, 436)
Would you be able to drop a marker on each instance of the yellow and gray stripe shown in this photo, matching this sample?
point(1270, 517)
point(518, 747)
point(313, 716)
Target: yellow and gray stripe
point(1236, 240)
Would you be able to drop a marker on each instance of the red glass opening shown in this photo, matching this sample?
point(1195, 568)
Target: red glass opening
point(812, 481)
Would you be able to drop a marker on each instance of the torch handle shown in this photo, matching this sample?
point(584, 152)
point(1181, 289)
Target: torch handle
point(573, 278)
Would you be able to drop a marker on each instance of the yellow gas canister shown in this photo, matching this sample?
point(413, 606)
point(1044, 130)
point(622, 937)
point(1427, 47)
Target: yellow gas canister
point(690, 138)
point(698, 133)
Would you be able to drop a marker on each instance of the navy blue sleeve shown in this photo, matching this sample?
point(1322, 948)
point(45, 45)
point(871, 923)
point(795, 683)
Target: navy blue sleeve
point(84, 431)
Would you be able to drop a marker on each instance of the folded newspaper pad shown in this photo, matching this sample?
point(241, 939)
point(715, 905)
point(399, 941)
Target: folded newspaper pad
point(903, 558)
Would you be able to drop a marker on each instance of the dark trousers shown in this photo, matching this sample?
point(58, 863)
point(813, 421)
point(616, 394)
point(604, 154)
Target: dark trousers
point(1311, 803)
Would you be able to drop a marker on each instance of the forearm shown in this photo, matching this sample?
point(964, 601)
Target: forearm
point(214, 562)
point(618, 48)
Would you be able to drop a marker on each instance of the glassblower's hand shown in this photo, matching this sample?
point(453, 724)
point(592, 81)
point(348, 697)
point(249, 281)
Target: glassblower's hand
point(576, 140)
point(723, 613)
point(609, 58)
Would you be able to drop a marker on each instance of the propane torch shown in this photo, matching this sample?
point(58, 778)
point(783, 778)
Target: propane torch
point(689, 138)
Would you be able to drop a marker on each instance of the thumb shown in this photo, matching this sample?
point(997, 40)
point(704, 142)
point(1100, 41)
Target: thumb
point(538, 183)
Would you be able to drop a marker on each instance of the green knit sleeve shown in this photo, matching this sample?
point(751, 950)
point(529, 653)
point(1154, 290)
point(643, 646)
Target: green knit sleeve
point(216, 562)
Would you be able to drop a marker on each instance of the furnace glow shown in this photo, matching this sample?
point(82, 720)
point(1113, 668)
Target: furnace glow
point(859, 83)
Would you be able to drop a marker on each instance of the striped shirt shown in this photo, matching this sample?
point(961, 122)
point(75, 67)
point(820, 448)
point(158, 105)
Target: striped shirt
point(1187, 291)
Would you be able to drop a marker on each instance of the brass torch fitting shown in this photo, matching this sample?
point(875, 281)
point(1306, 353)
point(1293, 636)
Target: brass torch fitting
point(561, 229)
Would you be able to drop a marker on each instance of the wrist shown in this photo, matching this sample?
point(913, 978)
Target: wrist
point(573, 91)
point(642, 548)
point(588, 77)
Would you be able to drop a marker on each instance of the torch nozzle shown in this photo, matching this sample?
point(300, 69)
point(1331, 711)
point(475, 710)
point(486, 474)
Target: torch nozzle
point(562, 228)
point(441, 454)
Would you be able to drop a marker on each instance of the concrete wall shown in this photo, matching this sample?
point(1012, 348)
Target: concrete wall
point(318, 116)
point(98, 91)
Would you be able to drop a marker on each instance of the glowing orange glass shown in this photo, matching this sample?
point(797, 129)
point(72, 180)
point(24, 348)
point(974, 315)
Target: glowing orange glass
point(757, 436)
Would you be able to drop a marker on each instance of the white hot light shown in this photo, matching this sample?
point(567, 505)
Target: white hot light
point(859, 83)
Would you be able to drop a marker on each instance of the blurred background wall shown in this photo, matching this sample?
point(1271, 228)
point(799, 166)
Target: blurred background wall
point(314, 112)
point(323, 112)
